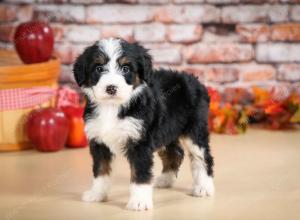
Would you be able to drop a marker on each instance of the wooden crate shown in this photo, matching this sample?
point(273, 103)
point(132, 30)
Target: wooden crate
point(15, 74)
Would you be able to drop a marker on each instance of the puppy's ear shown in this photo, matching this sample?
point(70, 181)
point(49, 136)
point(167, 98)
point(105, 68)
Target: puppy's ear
point(145, 63)
point(79, 70)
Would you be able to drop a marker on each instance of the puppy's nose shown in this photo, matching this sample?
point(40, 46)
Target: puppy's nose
point(111, 89)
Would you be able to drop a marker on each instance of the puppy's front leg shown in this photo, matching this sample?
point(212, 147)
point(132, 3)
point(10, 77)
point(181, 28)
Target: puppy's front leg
point(102, 158)
point(141, 161)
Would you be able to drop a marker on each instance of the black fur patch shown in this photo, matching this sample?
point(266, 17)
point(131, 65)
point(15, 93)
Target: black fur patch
point(175, 104)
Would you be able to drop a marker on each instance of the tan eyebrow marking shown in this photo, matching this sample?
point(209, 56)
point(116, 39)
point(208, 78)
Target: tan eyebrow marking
point(123, 60)
point(100, 59)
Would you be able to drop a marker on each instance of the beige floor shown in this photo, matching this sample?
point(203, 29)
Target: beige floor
point(257, 177)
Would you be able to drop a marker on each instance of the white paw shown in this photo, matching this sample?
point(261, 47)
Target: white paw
point(165, 180)
point(93, 196)
point(139, 204)
point(140, 198)
point(204, 188)
point(98, 191)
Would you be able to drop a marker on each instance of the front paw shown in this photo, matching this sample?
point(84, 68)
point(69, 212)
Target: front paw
point(93, 196)
point(139, 204)
point(140, 197)
point(204, 188)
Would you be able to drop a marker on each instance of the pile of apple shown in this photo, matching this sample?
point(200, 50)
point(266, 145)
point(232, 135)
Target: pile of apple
point(50, 129)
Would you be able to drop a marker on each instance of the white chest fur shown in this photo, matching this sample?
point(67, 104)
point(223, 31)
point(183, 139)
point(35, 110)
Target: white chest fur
point(108, 128)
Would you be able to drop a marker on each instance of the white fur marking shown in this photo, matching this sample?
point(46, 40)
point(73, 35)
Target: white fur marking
point(203, 184)
point(165, 180)
point(108, 128)
point(98, 191)
point(112, 48)
point(140, 197)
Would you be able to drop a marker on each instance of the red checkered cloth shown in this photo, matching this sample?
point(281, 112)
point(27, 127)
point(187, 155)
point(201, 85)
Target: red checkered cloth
point(21, 98)
point(67, 97)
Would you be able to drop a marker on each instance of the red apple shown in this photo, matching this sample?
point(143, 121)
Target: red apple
point(34, 41)
point(76, 137)
point(47, 129)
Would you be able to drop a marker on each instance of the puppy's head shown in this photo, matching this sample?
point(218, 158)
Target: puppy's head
point(111, 70)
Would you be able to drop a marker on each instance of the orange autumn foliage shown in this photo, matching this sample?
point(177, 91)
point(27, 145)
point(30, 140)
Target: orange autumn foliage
point(232, 111)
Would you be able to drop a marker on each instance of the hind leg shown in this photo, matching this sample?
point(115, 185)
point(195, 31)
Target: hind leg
point(201, 165)
point(171, 156)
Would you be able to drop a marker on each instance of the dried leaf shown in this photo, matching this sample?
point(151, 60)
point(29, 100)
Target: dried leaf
point(296, 117)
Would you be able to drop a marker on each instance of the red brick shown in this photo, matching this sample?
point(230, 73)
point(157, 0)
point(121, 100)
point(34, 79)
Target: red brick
point(119, 14)
point(66, 74)
point(290, 1)
point(166, 55)
point(240, 14)
point(222, 74)
point(258, 1)
point(7, 32)
point(278, 52)
point(154, 32)
point(289, 72)
point(252, 33)
point(68, 52)
point(256, 72)
point(21, 1)
point(295, 13)
point(76, 50)
point(278, 13)
point(8, 13)
point(6, 45)
point(281, 91)
point(87, 1)
point(120, 31)
point(198, 71)
point(25, 13)
point(58, 31)
point(85, 34)
point(223, 1)
point(64, 52)
point(52, 1)
point(188, 1)
point(254, 13)
point(184, 33)
point(296, 88)
point(286, 32)
point(210, 53)
point(153, 1)
point(120, 1)
point(187, 14)
point(60, 13)
point(213, 37)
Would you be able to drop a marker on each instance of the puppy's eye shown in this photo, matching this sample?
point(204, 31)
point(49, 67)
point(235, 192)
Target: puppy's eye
point(99, 69)
point(125, 69)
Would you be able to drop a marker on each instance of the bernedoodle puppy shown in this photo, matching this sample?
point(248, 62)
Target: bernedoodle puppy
point(134, 110)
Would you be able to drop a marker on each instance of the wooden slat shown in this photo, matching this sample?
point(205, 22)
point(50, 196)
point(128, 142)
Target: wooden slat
point(9, 58)
point(15, 75)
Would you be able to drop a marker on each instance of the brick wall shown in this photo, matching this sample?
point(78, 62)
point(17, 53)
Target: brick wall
point(224, 42)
